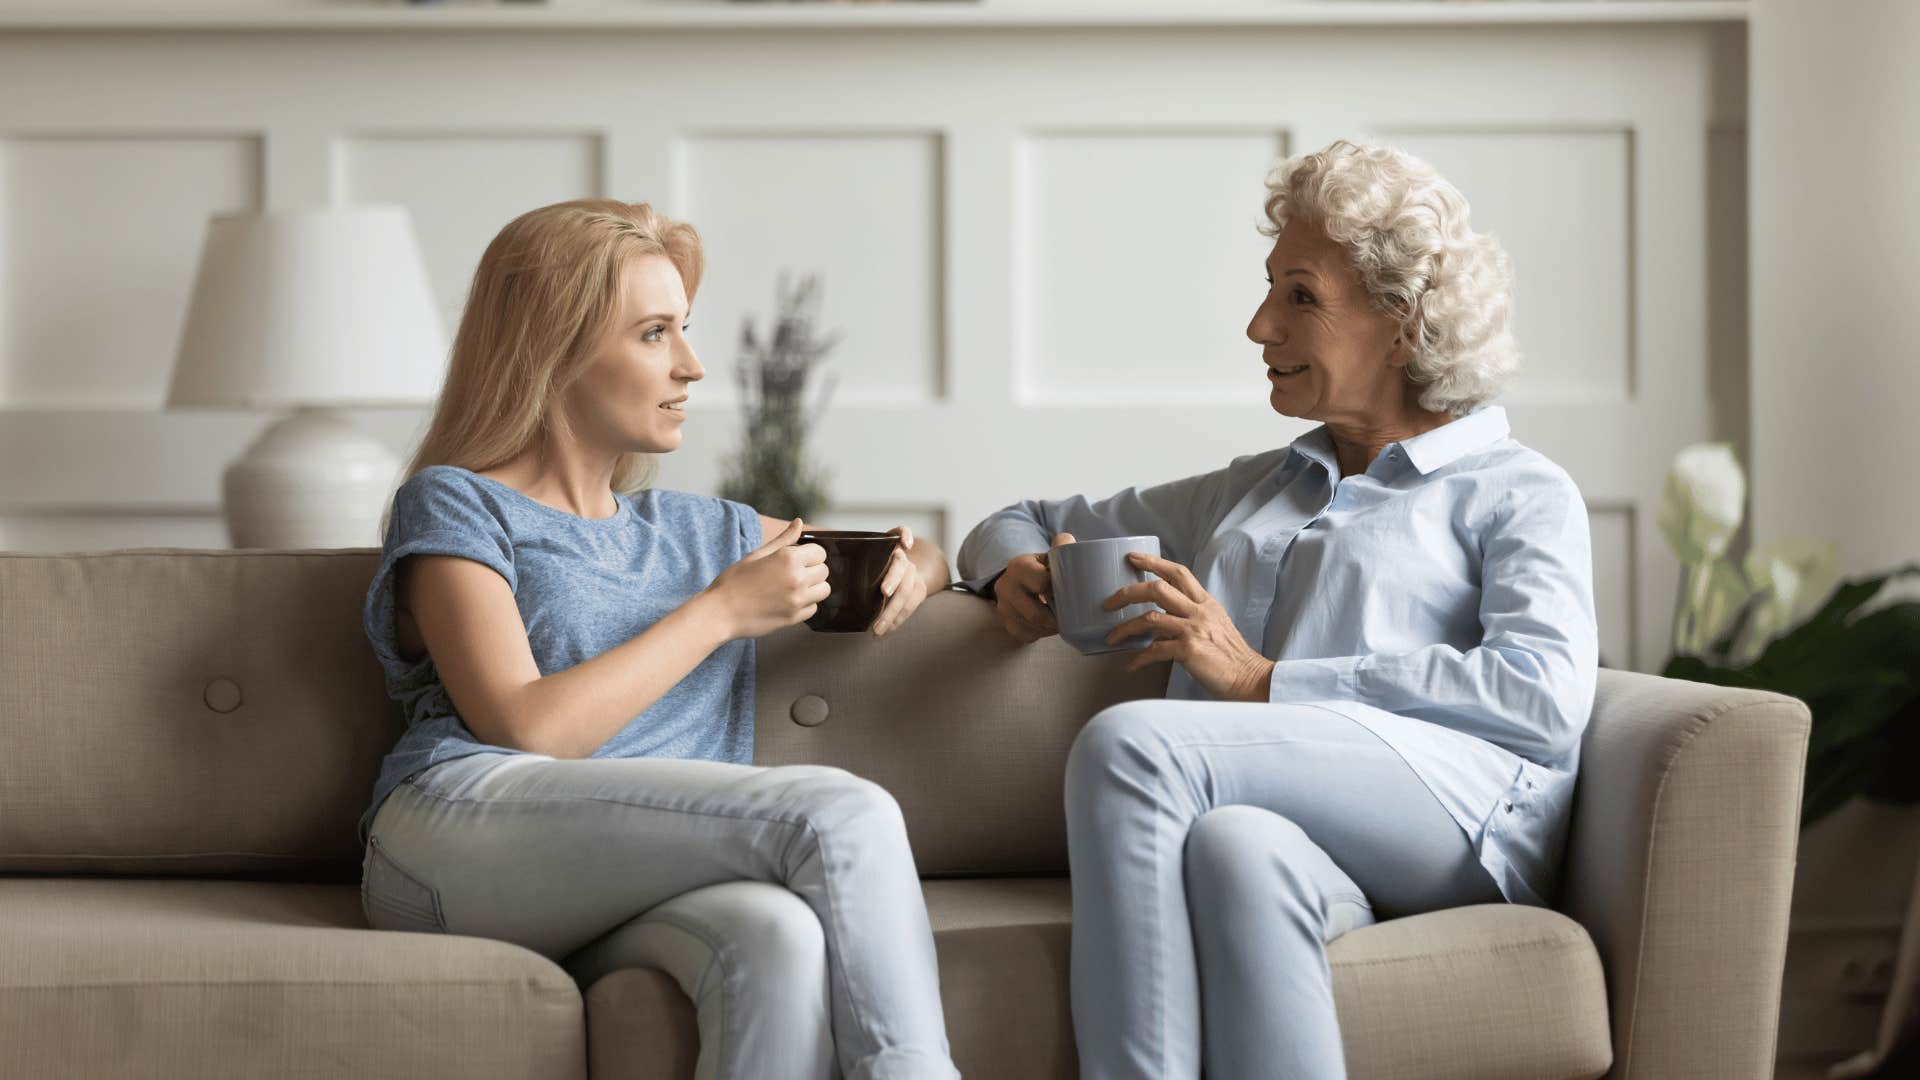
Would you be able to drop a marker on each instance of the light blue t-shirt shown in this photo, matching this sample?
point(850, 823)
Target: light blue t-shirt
point(1443, 599)
point(583, 586)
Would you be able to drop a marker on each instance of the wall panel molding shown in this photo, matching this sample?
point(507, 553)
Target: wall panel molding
point(1122, 299)
point(100, 234)
point(998, 346)
point(1561, 197)
point(462, 183)
point(864, 208)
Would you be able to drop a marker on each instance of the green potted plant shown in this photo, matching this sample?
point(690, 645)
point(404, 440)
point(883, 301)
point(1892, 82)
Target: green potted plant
point(1781, 621)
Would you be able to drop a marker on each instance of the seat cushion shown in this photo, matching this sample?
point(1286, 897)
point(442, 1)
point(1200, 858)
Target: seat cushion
point(1490, 991)
point(1003, 980)
point(151, 977)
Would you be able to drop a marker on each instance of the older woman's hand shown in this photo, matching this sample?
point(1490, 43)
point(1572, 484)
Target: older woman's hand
point(1191, 628)
point(1023, 595)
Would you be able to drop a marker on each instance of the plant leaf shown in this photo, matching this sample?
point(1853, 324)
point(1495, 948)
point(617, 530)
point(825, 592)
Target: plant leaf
point(1833, 779)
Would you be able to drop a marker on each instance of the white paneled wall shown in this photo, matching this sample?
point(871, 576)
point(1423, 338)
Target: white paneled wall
point(1561, 201)
point(96, 227)
point(1139, 264)
point(1040, 241)
point(869, 204)
point(462, 186)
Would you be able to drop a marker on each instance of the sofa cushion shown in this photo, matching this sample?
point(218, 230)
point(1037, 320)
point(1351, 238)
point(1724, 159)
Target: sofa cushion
point(967, 728)
point(1491, 991)
point(174, 712)
point(167, 978)
point(1003, 980)
point(220, 712)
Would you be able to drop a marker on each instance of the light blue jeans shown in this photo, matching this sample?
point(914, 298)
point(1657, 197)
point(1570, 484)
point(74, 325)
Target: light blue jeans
point(784, 901)
point(1216, 848)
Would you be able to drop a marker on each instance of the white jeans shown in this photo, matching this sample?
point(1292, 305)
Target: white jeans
point(784, 901)
point(1216, 848)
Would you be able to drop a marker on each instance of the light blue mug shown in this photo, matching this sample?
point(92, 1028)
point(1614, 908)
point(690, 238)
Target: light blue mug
point(1085, 573)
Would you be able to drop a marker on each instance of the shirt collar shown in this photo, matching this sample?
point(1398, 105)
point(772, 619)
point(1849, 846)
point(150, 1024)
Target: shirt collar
point(1456, 439)
point(1317, 446)
point(1427, 452)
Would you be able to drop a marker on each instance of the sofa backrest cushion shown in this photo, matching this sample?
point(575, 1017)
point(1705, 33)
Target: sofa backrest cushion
point(967, 728)
point(186, 712)
point(220, 712)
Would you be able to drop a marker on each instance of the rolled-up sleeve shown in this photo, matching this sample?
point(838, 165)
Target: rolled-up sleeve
point(1172, 512)
point(436, 512)
point(1528, 686)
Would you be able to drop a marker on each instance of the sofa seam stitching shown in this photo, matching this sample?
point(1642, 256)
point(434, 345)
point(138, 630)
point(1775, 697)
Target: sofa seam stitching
point(1568, 943)
point(142, 984)
point(125, 553)
point(1700, 722)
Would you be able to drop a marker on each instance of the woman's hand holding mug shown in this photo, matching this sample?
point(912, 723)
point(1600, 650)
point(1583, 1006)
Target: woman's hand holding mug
point(1193, 629)
point(1023, 595)
point(778, 586)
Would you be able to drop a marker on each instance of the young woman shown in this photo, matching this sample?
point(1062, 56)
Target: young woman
point(575, 658)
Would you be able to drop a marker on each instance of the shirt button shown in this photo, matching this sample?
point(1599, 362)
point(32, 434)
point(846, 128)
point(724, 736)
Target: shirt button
point(1509, 808)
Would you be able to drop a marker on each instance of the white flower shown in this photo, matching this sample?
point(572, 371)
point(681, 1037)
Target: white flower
point(1791, 578)
point(1700, 508)
point(1800, 574)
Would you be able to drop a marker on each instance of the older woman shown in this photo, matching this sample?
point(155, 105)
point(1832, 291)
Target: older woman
point(1383, 640)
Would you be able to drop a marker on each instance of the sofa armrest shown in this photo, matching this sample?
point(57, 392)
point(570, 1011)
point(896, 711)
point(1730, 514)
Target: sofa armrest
point(1685, 824)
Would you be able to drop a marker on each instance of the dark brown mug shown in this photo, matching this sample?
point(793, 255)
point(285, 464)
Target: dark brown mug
point(856, 563)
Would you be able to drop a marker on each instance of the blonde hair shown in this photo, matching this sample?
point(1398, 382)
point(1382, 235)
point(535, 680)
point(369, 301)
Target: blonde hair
point(545, 292)
point(1405, 229)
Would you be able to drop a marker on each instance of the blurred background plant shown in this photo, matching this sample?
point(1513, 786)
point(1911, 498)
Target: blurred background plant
point(1781, 620)
point(771, 470)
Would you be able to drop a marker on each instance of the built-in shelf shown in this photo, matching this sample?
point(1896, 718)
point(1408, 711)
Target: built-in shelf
point(900, 14)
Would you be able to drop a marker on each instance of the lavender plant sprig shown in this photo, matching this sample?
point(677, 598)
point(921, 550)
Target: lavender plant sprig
point(770, 471)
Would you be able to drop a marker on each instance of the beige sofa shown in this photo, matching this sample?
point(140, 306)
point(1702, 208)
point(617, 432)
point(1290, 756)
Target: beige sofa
point(186, 740)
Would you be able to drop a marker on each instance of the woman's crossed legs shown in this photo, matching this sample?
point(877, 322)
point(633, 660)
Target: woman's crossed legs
point(1216, 848)
point(729, 877)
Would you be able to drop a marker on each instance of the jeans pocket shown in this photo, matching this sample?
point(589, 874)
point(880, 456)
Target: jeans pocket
point(394, 899)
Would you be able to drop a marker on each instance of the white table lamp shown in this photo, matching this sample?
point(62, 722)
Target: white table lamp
point(314, 311)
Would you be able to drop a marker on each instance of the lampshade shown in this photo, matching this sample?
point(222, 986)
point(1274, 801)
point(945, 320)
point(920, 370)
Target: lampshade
point(326, 306)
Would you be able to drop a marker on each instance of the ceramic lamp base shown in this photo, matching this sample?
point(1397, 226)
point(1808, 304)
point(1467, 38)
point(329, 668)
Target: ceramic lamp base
point(312, 480)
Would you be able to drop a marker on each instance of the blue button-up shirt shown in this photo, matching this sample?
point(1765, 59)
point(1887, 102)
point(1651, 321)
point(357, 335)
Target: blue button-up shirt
point(1443, 598)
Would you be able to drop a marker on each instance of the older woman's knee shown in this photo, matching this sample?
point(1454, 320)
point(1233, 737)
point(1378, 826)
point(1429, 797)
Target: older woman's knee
point(1243, 854)
point(1117, 737)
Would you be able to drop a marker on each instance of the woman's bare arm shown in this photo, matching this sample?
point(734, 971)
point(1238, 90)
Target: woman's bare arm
point(472, 628)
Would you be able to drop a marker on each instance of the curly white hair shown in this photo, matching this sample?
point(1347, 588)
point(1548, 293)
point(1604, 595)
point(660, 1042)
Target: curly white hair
point(1405, 228)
